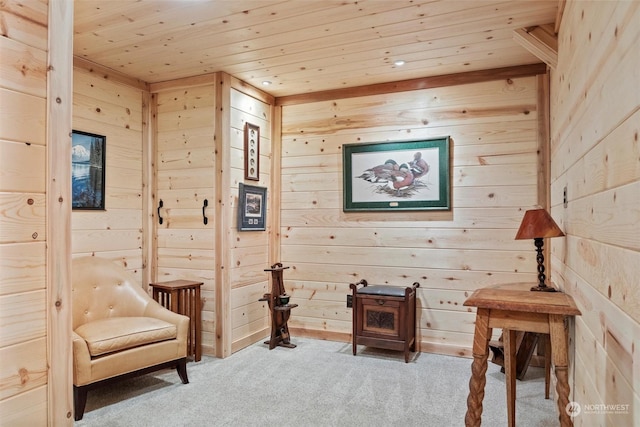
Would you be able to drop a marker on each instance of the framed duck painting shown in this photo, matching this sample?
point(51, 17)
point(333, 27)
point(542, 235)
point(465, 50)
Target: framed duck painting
point(391, 176)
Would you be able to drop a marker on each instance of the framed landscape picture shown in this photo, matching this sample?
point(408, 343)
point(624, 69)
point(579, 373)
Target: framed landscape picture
point(252, 208)
point(87, 170)
point(391, 176)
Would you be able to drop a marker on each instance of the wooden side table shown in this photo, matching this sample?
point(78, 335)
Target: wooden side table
point(183, 297)
point(515, 307)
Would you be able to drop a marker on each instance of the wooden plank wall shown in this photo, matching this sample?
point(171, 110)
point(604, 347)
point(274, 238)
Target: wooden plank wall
point(103, 105)
point(595, 127)
point(249, 250)
point(23, 155)
point(195, 160)
point(185, 178)
point(494, 131)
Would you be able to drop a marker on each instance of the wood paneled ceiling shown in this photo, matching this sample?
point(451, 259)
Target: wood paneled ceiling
point(304, 46)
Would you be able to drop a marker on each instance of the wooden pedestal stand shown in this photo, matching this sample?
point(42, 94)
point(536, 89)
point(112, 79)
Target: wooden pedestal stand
point(279, 312)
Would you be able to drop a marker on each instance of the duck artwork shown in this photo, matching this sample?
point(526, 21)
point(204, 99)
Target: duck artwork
point(398, 180)
point(381, 173)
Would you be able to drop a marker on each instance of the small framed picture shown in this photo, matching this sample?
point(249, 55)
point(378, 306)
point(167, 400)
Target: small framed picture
point(87, 170)
point(251, 152)
point(252, 208)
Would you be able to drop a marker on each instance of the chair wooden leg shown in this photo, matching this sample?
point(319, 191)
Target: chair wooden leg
point(79, 401)
point(181, 367)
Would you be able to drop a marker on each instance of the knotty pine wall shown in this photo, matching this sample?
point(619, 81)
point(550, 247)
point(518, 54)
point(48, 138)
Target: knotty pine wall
point(111, 108)
point(200, 145)
point(249, 250)
point(494, 161)
point(23, 148)
point(595, 123)
point(35, 146)
point(186, 177)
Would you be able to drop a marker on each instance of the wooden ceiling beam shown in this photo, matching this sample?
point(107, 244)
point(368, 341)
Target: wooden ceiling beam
point(541, 41)
point(416, 84)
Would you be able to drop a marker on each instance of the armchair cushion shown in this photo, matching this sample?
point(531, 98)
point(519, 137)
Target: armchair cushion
point(120, 333)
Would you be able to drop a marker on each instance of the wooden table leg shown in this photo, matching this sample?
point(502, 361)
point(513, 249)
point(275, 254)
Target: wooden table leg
point(197, 307)
point(510, 364)
point(478, 379)
point(547, 364)
point(560, 361)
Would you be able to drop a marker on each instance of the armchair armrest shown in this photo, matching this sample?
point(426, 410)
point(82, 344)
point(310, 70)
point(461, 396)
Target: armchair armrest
point(154, 309)
point(81, 360)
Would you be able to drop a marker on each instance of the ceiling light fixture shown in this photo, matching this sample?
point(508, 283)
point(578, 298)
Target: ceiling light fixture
point(266, 83)
point(399, 63)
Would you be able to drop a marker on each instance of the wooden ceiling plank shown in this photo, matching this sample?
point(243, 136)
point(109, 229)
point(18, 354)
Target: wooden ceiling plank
point(103, 15)
point(457, 21)
point(394, 47)
point(242, 28)
point(418, 68)
point(298, 46)
point(413, 55)
point(305, 46)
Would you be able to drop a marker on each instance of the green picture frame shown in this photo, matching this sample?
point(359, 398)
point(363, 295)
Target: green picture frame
point(397, 176)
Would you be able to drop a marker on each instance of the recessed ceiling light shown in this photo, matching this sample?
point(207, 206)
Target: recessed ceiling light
point(399, 63)
point(266, 83)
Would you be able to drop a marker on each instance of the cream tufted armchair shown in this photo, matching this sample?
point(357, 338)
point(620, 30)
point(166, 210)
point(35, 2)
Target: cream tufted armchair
point(119, 330)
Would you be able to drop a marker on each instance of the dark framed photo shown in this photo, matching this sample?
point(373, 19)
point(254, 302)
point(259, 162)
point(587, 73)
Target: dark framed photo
point(251, 152)
point(252, 208)
point(88, 159)
point(391, 176)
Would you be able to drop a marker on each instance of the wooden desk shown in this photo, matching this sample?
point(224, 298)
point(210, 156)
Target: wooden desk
point(183, 297)
point(514, 307)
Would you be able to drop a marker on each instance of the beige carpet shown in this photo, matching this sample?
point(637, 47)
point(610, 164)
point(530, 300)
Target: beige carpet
point(319, 383)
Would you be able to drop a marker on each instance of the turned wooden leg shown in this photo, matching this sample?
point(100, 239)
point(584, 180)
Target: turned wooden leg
point(510, 374)
point(560, 361)
point(478, 369)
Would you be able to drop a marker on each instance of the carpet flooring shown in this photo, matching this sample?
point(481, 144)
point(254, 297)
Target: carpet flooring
point(319, 383)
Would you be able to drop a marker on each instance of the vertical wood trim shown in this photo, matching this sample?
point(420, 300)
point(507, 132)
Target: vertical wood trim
point(59, 125)
point(153, 192)
point(149, 242)
point(544, 149)
point(559, 15)
point(544, 171)
point(224, 213)
point(276, 184)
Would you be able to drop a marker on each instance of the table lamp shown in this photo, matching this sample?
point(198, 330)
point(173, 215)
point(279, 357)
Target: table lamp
point(537, 224)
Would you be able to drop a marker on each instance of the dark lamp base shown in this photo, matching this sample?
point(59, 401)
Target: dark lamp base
point(543, 288)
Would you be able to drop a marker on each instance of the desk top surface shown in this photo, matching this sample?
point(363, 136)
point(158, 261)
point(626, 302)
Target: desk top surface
point(176, 284)
point(519, 297)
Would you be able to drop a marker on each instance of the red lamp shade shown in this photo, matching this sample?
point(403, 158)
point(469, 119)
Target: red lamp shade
point(537, 223)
